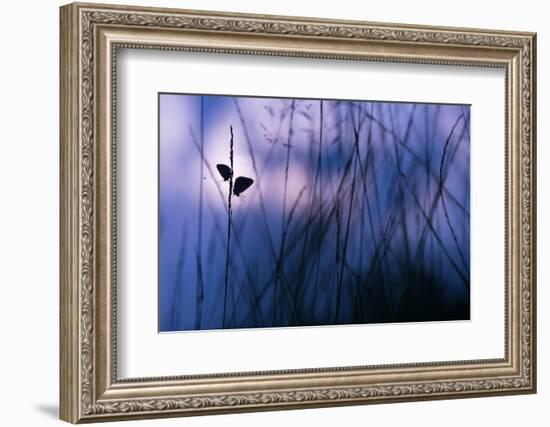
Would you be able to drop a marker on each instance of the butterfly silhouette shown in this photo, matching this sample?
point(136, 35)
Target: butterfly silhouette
point(225, 171)
point(241, 183)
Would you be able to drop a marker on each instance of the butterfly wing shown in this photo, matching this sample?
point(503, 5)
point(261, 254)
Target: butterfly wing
point(241, 184)
point(224, 170)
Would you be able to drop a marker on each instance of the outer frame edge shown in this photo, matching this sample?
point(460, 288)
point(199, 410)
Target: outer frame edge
point(68, 220)
point(69, 229)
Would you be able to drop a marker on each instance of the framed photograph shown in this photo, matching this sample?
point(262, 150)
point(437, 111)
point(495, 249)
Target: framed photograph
point(267, 212)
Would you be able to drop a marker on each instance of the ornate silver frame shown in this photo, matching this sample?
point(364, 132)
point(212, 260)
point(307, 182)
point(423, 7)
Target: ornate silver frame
point(90, 36)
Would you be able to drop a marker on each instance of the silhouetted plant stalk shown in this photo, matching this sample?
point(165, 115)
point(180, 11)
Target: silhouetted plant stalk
point(444, 204)
point(257, 174)
point(229, 220)
point(284, 225)
point(200, 288)
point(217, 230)
point(178, 282)
point(320, 178)
point(348, 222)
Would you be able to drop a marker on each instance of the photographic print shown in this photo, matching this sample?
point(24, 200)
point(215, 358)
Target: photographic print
point(281, 212)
